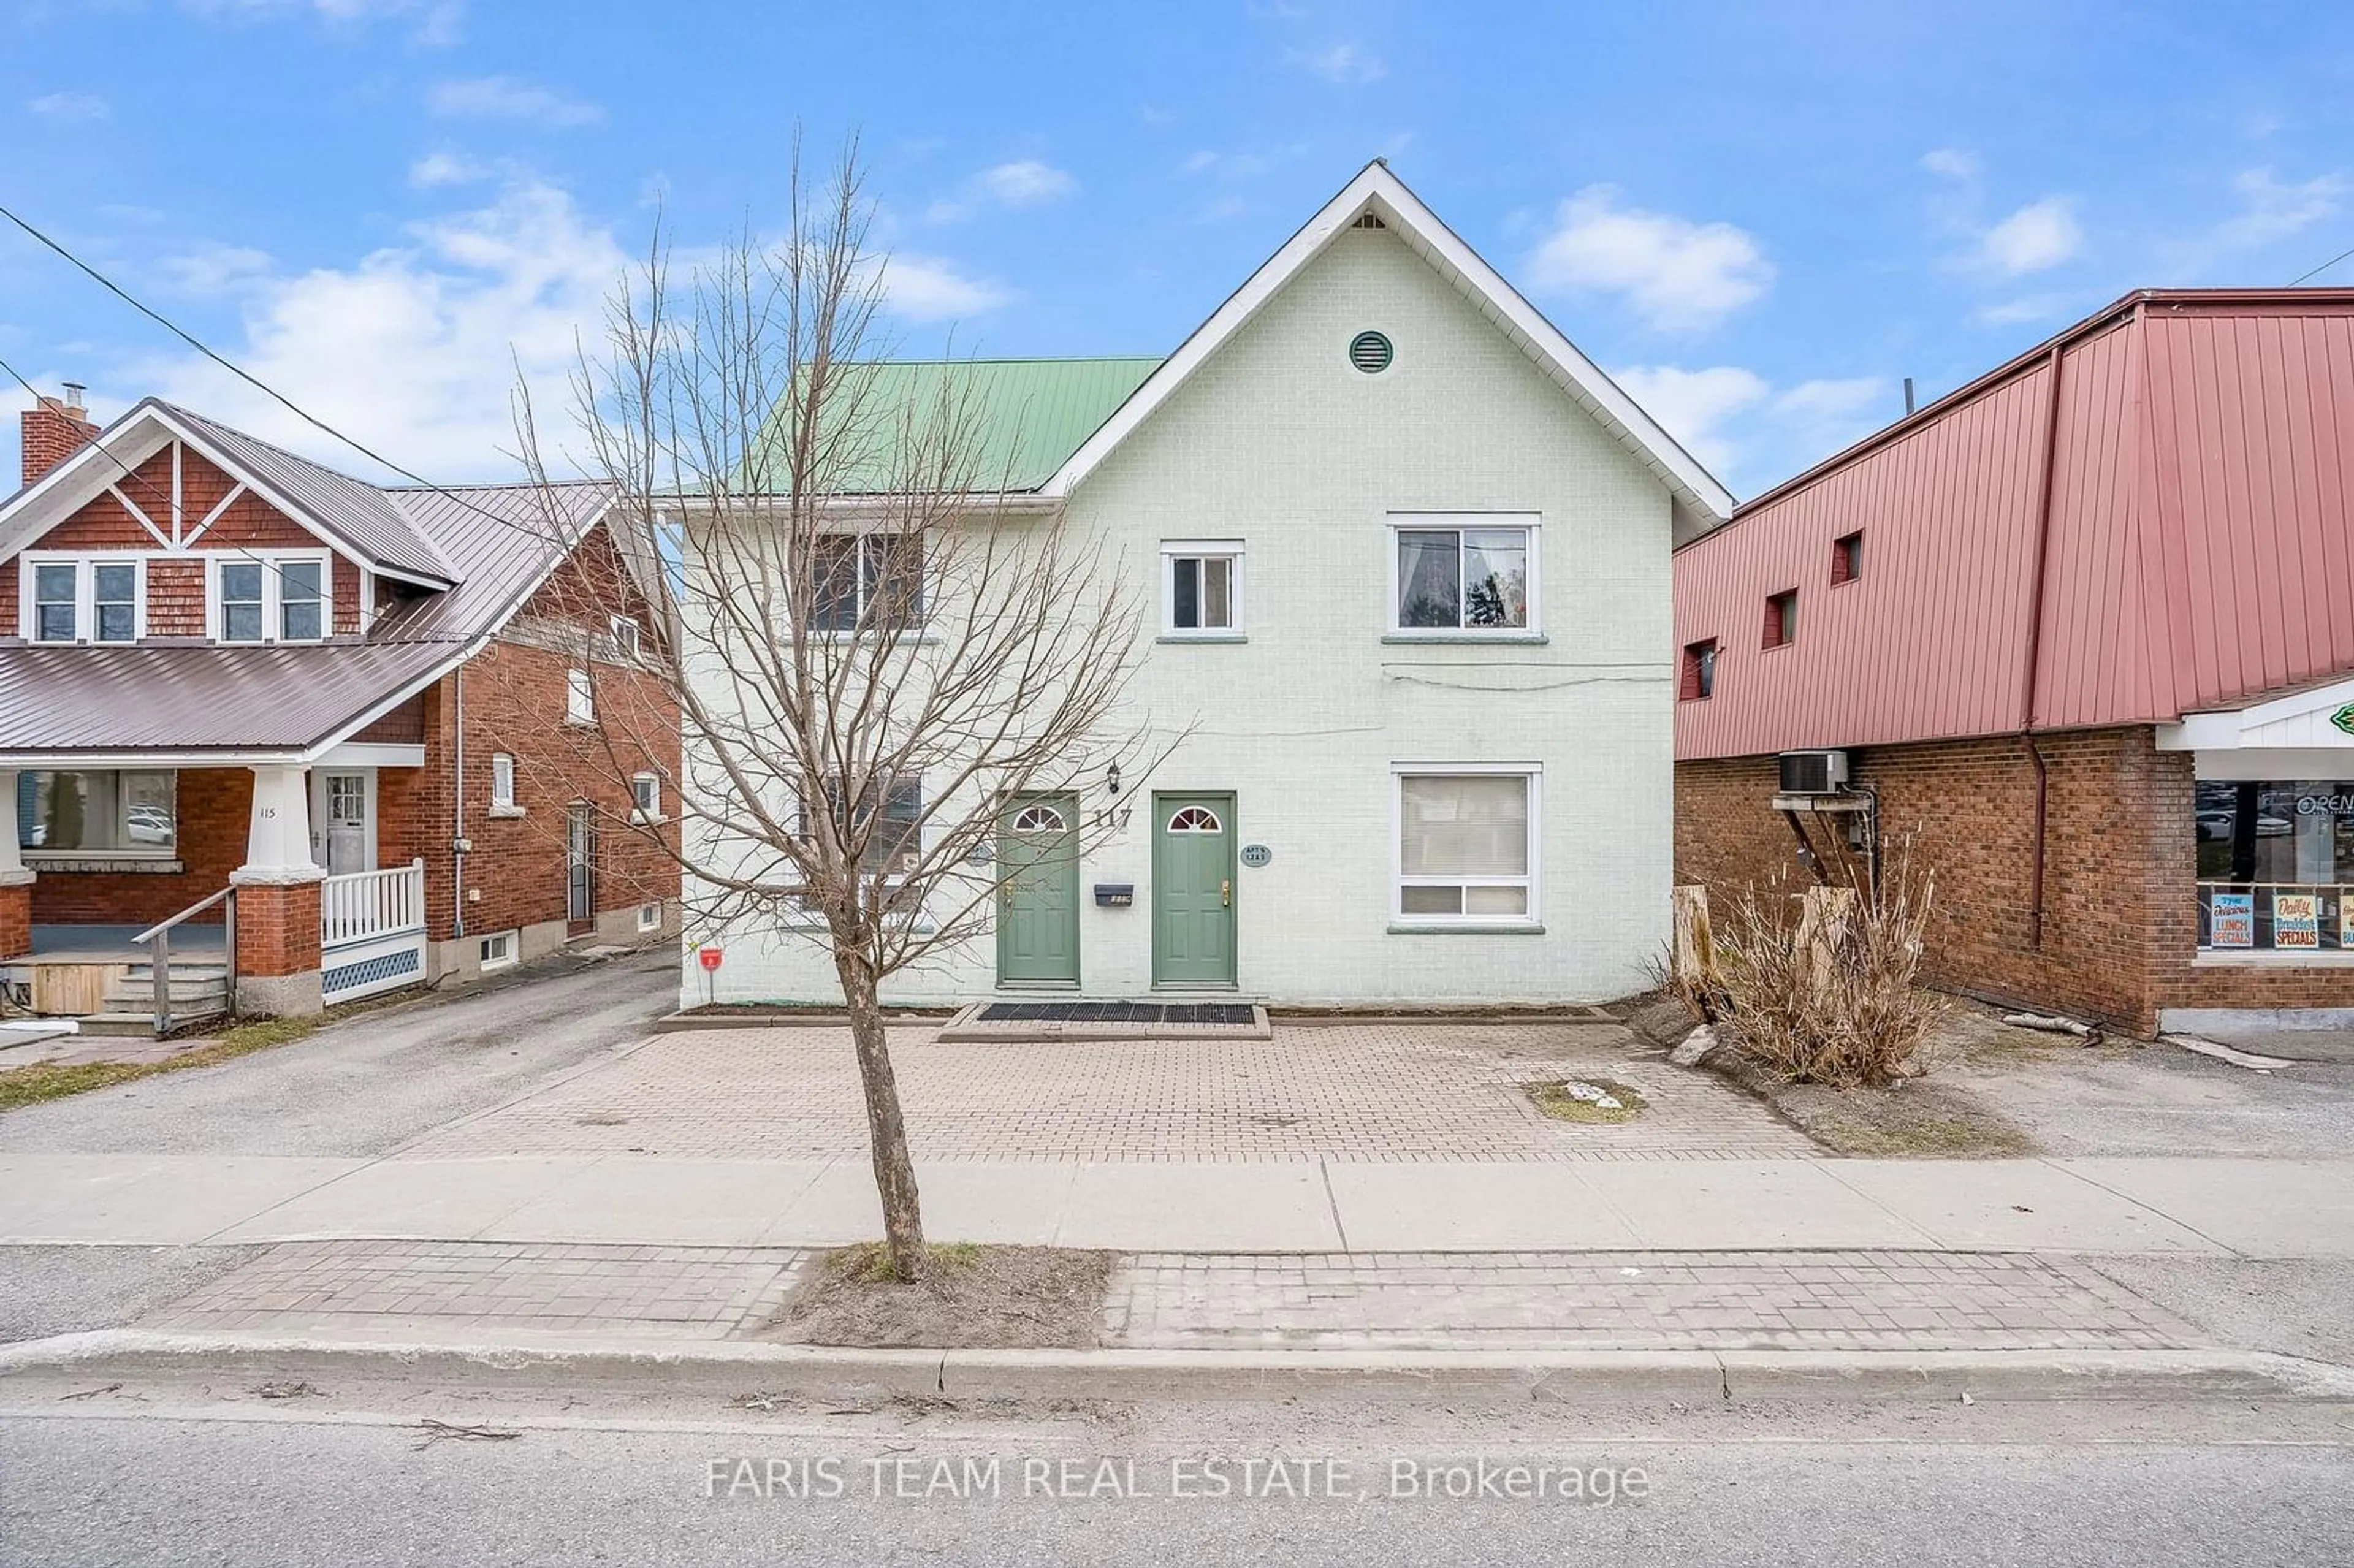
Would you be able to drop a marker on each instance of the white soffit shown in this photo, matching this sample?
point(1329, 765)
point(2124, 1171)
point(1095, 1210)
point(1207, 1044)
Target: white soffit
point(1378, 190)
point(2301, 721)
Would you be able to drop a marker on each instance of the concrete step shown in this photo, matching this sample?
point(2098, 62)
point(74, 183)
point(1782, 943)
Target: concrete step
point(129, 996)
point(141, 1025)
point(195, 969)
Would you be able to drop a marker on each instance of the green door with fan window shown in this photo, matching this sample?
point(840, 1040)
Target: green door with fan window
point(1039, 891)
point(1193, 890)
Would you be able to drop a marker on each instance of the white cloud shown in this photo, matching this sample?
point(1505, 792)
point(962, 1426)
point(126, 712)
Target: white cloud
point(1026, 181)
point(439, 22)
point(2027, 308)
point(217, 269)
point(2271, 211)
point(1746, 431)
point(1951, 163)
point(1681, 276)
point(71, 106)
point(510, 98)
point(437, 169)
point(1344, 63)
point(2038, 237)
point(415, 348)
point(930, 289)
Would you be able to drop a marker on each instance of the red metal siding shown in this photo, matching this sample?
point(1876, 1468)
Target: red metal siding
point(2198, 549)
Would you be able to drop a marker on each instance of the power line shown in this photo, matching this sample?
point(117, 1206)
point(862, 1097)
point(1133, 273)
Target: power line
point(120, 293)
point(2325, 267)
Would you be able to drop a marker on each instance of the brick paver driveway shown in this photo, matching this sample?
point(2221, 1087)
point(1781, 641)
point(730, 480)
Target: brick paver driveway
point(1354, 1092)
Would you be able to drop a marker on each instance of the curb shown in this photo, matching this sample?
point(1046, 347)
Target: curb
point(825, 1372)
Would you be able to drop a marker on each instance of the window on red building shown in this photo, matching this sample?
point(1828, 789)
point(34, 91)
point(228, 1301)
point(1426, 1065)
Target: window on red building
point(1782, 618)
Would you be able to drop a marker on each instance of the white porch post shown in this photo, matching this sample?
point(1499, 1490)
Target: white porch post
point(278, 833)
point(15, 878)
point(12, 859)
point(278, 899)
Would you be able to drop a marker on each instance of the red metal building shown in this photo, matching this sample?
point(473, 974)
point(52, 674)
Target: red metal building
point(2084, 628)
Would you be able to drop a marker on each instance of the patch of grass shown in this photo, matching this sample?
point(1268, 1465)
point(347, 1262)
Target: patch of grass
point(871, 1261)
point(55, 1081)
point(1551, 1097)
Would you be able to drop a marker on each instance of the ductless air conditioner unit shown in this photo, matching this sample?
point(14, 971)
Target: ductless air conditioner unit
point(1814, 772)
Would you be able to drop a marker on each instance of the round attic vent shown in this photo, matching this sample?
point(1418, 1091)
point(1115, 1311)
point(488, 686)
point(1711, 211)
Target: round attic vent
point(1369, 351)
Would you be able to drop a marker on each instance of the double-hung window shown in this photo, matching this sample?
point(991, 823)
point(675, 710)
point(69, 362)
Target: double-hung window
point(1201, 588)
point(645, 796)
point(893, 838)
point(1469, 576)
point(866, 581)
point(93, 600)
point(503, 784)
point(274, 598)
point(1466, 844)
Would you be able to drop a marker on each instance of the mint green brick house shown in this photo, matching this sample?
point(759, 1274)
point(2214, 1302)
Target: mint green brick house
point(1409, 554)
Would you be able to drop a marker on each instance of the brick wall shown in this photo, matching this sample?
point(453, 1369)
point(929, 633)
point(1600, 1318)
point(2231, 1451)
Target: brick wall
point(2119, 860)
point(214, 806)
point(52, 432)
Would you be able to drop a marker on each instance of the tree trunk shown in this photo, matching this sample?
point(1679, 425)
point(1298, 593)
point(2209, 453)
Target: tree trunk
point(895, 1173)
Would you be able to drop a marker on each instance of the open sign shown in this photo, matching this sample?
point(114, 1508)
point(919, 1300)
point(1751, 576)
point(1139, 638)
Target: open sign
point(708, 958)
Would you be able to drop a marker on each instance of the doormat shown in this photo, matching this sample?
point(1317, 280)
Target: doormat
point(1013, 1020)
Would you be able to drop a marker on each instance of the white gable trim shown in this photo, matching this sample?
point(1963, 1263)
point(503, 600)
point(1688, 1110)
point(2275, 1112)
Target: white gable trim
point(1382, 193)
point(130, 440)
point(2299, 720)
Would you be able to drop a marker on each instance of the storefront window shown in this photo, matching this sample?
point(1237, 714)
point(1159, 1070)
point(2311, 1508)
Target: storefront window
point(2276, 865)
point(97, 813)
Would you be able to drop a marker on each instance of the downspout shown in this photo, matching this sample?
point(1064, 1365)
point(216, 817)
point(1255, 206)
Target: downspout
point(2046, 488)
point(457, 816)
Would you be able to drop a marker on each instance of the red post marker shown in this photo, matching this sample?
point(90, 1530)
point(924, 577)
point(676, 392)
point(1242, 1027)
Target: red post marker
point(708, 957)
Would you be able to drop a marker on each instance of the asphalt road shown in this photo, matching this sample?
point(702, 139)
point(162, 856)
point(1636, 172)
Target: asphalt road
point(374, 1083)
point(107, 1483)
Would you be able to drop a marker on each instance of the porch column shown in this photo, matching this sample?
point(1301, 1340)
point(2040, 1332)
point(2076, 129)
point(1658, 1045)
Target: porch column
point(278, 899)
point(16, 879)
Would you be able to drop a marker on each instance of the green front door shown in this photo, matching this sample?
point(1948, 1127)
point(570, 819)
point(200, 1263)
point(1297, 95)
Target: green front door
point(1039, 891)
point(1193, 890)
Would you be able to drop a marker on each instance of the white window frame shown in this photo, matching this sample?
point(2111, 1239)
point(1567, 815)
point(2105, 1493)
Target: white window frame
point(503, 786)
point(1532, 916)
point(650, 916)
point(1441, 522)
point(272, 624)
point(84, 565)
point(625, 633)
point(1229, 550)
point(645, 796)
point(919, 629)
point(579, 699)
point(511, 942)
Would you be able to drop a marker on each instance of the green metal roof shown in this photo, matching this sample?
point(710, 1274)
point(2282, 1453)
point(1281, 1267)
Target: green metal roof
point(1028, 415)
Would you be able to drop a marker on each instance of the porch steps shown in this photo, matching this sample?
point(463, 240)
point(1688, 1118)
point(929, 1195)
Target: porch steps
point(198, 991)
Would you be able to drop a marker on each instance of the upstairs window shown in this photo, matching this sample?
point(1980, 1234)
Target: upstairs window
point(894, 841)
point(1782, 618)
point(1476, 580)
point(579, 698)
point(1201, 588)
point(1699, 678)
point(625, 637)
point(502, 782)
point(866, 581)
point(94, 600)
point(645, 796)
point(1847, 558)
point(270, 600)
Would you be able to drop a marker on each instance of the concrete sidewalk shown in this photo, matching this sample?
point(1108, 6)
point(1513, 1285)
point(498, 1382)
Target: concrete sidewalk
point(2251, 1208)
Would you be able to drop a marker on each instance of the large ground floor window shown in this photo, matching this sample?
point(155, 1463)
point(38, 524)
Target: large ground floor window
point(99, 812)
point(1466, 845)
point(2276, 865)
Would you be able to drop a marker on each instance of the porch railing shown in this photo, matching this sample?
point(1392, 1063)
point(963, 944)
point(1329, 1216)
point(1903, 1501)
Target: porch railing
point(158, 938)
point(364, 904)
point(371, 931)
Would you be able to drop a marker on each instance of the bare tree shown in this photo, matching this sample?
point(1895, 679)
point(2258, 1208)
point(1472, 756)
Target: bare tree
point(872, 645)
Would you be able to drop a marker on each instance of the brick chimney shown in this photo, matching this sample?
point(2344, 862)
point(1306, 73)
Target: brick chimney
point(54, 428)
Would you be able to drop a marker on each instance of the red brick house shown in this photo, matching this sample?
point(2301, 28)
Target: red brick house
point(2082, 631)
point(362, 722)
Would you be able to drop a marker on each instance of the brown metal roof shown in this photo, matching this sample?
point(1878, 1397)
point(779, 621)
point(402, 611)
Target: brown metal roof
point(501, 542)
point(56, 701)
point(361, 515)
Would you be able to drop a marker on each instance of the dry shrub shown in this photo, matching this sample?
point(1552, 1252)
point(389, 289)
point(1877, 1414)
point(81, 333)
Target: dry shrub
point(1831, 999)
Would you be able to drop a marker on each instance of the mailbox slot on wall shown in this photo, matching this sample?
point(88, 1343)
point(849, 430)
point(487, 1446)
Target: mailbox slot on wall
point(1116, 894)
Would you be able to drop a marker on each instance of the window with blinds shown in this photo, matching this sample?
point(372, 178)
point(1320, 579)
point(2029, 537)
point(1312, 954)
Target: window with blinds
point(1466, 846)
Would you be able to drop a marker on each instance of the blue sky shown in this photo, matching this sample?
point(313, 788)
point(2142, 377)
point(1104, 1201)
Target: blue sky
point(1760, 217)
